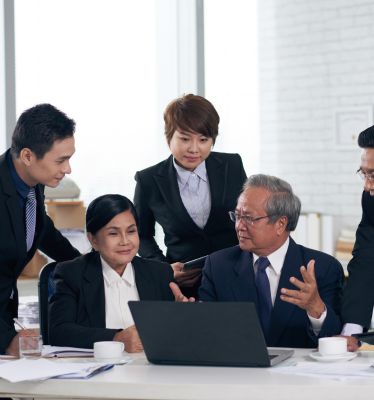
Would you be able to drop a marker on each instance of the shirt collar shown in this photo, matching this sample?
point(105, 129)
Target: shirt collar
point(276, 259)
point(22, 188)
point(111, 276)
point(183, 174)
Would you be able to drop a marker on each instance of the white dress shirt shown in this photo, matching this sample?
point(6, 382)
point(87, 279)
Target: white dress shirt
point(273, 271)
point(118, 291)
point(349, 329)
point(195, 192)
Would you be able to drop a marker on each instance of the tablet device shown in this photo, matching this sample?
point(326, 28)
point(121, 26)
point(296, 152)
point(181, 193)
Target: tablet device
point(196, 263)
point(367, 337)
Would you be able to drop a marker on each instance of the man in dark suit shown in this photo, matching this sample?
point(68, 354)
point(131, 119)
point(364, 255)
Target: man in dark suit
point(358, 298)
point(296, 304)
point(42, 145)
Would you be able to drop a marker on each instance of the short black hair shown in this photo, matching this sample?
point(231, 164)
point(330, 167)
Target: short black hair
point(106, 207)
point(366, 138)
point(39, 127)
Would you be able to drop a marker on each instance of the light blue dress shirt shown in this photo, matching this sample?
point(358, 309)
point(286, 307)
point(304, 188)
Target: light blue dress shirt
point(195, 192)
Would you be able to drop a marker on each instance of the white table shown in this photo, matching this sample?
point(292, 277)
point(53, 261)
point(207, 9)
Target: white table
point(141, 380)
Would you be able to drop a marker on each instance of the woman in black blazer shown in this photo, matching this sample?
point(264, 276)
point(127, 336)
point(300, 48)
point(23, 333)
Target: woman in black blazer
point(90, 301)
point(190, 193)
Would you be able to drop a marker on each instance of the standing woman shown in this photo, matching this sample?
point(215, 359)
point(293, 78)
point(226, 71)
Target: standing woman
point(190, 193)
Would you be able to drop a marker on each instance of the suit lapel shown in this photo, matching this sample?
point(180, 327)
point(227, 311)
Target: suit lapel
point(283, 311)
point(14, 209)
point(217, 176)
point(144, 283)
point(243, 284)
point(166, 181)
point(93, 290)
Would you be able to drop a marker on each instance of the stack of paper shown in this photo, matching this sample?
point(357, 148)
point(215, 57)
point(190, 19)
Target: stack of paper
point(57, 351)
point(41, 369)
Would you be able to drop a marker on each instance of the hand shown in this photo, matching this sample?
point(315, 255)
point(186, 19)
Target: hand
point(307, 297)
point(352, 343)
point(13, 348)
point(178, 295)
point(185, 278)
point(130, 338)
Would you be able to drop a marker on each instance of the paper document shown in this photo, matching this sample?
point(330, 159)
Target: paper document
point(57, 351)
point(338, 370)
point(41, 369)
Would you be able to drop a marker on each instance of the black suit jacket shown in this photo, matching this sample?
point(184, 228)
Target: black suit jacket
point(13, 254)
point(157, 199)
point(228, 275)
point(358, 299)
point(77, 309)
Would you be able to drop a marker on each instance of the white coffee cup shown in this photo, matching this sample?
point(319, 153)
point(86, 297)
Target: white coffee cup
point(330, 346)
point(108, 350)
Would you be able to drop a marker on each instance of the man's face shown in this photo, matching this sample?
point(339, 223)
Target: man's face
point(54, 165)
point(261, 236)
point(367, 167)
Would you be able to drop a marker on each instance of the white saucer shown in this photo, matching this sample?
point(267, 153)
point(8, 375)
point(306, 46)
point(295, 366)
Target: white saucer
point(115, 361)
point(331, 358)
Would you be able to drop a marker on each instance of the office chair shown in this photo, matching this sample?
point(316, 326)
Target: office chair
point(46, 288)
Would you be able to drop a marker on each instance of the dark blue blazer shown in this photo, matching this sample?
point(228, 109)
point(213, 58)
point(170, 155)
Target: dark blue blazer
point(228, 275)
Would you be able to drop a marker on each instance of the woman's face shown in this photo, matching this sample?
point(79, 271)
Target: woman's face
point(118, 241)
point(190, 149)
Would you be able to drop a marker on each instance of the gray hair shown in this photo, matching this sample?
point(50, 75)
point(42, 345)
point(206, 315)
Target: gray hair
point(282, 201)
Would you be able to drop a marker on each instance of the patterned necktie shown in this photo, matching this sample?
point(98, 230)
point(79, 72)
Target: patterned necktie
point(264, 296)
point(193, 182)
point(30, 216)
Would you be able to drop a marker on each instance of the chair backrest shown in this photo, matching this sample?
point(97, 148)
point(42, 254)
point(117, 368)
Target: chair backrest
point(46, 288)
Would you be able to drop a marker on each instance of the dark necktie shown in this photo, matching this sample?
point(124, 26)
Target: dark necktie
point(30, 216)
point(264, 296)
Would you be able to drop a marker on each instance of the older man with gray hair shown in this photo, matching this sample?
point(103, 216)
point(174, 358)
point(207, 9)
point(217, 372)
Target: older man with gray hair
point(296, 290)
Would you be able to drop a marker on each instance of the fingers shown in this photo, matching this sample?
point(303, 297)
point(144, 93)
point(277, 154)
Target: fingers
point(178, 295)
point(188, 278)
point(352, 343)
point(132, 340)
point(292, 296)
point(308, 273)
point(177, 266)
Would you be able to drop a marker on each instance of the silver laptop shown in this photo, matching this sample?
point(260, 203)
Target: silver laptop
point(208, 333)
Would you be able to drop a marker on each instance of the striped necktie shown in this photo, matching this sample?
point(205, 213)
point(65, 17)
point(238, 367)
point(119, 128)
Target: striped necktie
point(30, 217)
point(265, 305)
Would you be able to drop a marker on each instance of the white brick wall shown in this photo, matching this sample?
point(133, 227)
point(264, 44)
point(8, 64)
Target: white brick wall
point(314, 56)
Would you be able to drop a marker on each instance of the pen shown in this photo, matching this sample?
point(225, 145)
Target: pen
point(17, 322)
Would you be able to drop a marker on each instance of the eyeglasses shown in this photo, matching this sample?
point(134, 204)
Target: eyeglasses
point(235, 217)
point(365, 175)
